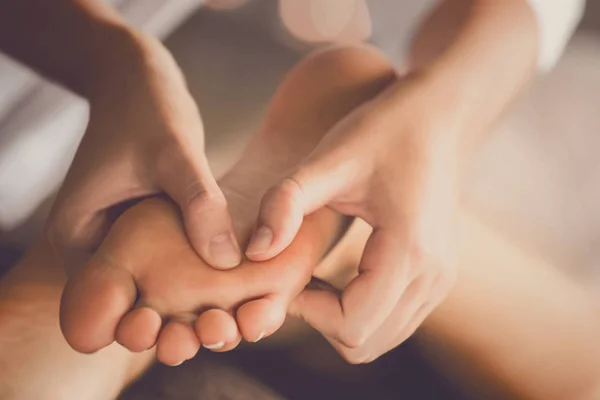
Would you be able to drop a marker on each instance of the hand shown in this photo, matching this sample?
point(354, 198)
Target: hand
point(144, 136)
point(393, 163)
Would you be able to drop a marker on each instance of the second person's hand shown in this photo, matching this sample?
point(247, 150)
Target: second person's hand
point(393, 164)
point(145, 135)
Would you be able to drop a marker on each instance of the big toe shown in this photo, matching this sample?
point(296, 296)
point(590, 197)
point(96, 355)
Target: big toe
point(92, 304)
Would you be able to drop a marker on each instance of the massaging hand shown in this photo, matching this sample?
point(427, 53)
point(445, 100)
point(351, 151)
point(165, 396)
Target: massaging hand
point(144, 136)
point(393, 163)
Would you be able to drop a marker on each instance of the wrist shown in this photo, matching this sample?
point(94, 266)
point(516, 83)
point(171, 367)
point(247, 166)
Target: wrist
point(422, 109)
point(123, 58)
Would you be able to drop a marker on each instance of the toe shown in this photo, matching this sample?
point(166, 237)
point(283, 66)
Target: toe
point(260, 318)
point(177, 343)
point(93, 303)
point(139, 329)
point(217, 330)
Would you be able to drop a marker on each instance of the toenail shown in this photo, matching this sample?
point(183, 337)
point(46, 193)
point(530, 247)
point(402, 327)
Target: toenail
point(260, 336)
point(215, 346)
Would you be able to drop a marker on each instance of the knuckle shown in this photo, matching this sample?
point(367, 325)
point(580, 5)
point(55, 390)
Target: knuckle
point(62, 233)
point(407, 333)
point(289, 188)
point(287, 196)
point(201, 198)
point(354, 357)
point(370, 359)
point(352, 338)
point(418, 253)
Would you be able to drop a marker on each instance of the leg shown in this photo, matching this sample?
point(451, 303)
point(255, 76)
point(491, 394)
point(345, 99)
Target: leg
point(512, 326)
point(515, 324)
point(35, 360)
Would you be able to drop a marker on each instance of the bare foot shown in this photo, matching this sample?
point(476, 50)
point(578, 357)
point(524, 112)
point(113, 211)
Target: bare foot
point(146, 285)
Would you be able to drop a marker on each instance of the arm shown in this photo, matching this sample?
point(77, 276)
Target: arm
point(78, 43)
point(144, 124)
point(476, 56)
point(32, 348)
point(395, 163)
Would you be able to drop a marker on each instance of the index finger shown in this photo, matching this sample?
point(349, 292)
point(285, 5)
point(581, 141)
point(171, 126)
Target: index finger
point(350, 319)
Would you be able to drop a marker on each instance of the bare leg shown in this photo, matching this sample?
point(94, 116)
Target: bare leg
point(514, 324)
point(35, 360)
point(517, 322)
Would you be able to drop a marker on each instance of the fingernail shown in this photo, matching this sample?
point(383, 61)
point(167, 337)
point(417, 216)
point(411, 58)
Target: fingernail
point(260, 241)
point(178, 364)
point(224, 252)
point(215, 346)
point(260, 336)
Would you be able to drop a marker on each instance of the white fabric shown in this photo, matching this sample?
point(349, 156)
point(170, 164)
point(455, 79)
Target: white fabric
point(557, 20)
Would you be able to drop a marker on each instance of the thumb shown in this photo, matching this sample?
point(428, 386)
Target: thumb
point(204, 208)
point(284, 205)
point(84, 210)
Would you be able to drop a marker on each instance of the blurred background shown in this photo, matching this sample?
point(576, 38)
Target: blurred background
point(537, 178)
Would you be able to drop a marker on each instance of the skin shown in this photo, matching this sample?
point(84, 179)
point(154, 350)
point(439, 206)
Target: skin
point(395, 162)
point(496, 345)
point(505, 362)
point(145, 133)
point(127, 263)
point(146, 252)
point(145, 136)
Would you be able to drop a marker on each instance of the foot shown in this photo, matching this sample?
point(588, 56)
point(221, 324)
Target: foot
point(146, 286)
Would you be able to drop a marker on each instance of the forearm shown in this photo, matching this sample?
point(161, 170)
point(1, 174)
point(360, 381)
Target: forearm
point(475, 55)
point(31, 341)
point(78, 43)
point(508, 316)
